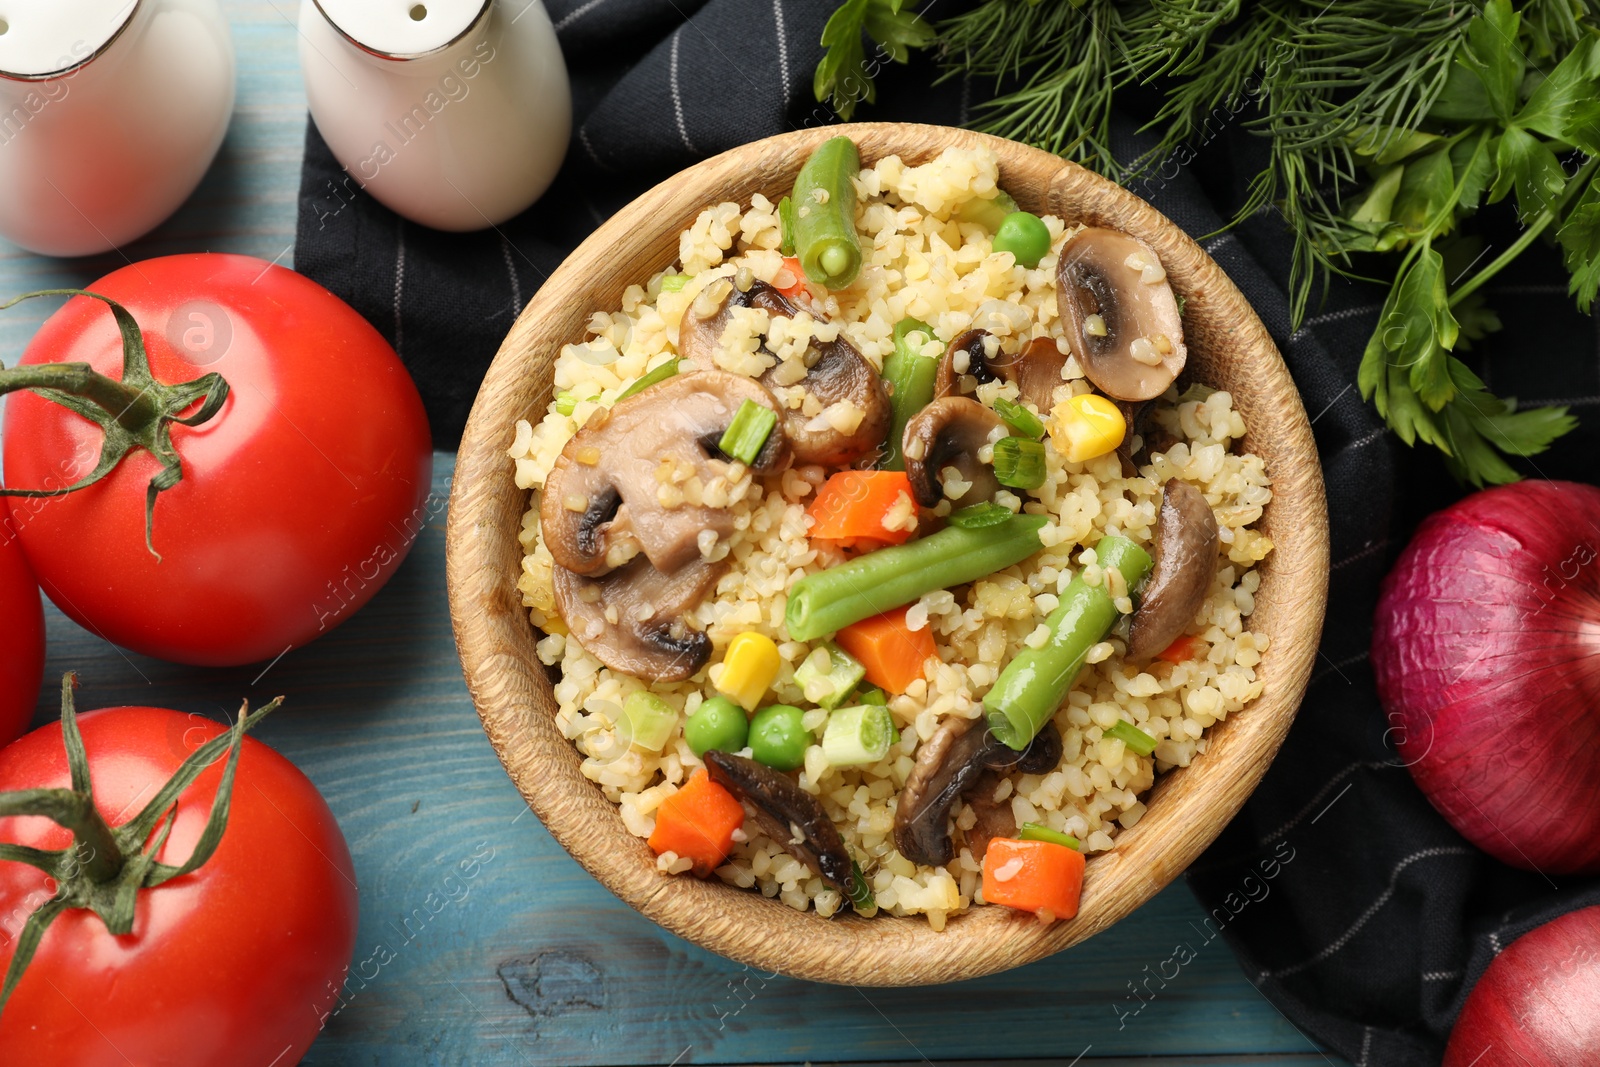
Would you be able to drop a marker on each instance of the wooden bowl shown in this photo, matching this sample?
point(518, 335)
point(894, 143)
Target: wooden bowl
point(1228, 348)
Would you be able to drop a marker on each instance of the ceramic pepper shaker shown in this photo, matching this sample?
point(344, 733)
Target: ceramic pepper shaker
point(453, 113)
point(110, 113)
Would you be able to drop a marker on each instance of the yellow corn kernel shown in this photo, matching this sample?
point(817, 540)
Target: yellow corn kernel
point(1085, 426)
point(749, 669)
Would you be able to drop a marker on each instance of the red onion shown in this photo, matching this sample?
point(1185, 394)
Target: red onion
point(1538, 1004)
point(1485, 652)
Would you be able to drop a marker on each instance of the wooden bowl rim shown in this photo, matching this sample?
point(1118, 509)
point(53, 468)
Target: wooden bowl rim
point(512, 691)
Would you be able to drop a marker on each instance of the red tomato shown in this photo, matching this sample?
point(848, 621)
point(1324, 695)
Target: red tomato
point(298, 500)
point(22, 639)
point(236, 963)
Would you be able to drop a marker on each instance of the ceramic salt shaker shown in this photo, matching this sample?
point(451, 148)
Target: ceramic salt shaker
point(110, 113)
point(453, 113)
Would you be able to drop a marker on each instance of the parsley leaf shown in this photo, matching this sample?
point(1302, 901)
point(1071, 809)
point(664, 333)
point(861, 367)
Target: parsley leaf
point(1492, 54)
point(1579, 238)
point(1528, 164)
point(844, 78)
point(1564, 105)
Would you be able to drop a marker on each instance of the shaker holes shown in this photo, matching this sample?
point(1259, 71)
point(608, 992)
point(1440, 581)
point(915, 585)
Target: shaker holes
point(418, 13)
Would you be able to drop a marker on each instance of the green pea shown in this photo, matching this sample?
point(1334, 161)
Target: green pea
point(718, 723)
point(778, 738)
point(1024, 236)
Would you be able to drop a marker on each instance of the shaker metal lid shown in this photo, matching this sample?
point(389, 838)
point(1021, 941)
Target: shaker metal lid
point(47, 40)
point(403, 29)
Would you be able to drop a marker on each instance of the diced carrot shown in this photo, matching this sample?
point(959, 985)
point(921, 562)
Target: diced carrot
point(892, 652)
point(797, 276)
point(857, 509)
point(1180, 651)
point(698, 822)
point(1038, 876)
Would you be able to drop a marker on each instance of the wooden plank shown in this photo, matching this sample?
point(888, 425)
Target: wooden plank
point(482, 942)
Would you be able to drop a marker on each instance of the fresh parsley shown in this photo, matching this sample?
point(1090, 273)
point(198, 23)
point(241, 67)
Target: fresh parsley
point(845, 76)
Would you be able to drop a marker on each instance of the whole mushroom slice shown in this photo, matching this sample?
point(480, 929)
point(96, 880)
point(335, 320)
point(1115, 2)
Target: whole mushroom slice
point(948, 433)
point(1119, 314)
point(1187, 542)
point(650, 637)
point(617, 487)
point(949, 764)
point(1036, 369)
point(782, 807)
point(840, 375)
point(836, 373)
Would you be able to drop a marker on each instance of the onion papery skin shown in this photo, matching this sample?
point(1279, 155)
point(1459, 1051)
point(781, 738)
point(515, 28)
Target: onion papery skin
point(1538, 1004)
point(1485, 650)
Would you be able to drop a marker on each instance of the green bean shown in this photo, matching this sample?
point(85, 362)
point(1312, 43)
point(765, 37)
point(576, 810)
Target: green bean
point(825, 214)
point(911, 377)
point(872, 584)
point(1033, 685)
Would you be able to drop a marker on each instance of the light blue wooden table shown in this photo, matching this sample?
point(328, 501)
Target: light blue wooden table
point(537, 964)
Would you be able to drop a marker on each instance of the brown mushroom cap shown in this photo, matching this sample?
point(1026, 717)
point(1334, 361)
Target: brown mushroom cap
point(1036, 369)
point(835, 372)
point(651, 638)
point(601, 501)
point(949, 764)
point(1119, 278)
point(1186, 548)
point(948, 433)
point(780, 803)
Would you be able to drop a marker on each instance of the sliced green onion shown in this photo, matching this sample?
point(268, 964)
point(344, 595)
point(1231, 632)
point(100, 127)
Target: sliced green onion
point(1019, 418)
point(861, 897)
point(748, 432)
point(1032, 831)
point(660, 374)
point(1019, 462)
point(833, 685)
point(566, 403)
point(674, 283)
point(987, 213)
point(858, 734)
point(1136, 739)
point(979, 516)
point(651, 720)
point(871, 694)
point(911, 377)
point(786, 226)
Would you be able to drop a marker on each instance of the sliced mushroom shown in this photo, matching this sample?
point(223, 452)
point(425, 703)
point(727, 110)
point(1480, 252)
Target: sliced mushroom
point(948, 433)
point(1037, 372)
point(701, 330)
point(613, 490)
point(782, 807)
point(635, 619)
point(836, 373)
point(1120, 316)
point(1187, 542)
point(951, 763)
point(1036, 369)
point(968, 356)
point(991, 818)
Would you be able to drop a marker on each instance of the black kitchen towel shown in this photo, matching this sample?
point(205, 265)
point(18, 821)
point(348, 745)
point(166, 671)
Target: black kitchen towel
point(1348, 901)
